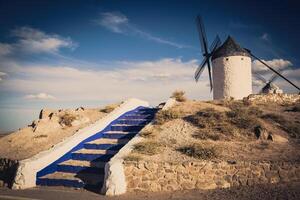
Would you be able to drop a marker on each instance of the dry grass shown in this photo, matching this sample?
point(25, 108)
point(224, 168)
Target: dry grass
point(292, 128)
point(67, 119)
point(148, 148)
point(164, 116)
point(206, 135)
point(133, 158)
point(179, 95)
point(210, 123)
point(109, 108)
point(296, 108)
point(41, 136)
point(198, 151)
point(216, 125)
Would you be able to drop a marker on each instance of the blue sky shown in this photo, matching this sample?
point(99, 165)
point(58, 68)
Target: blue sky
point(89, 53)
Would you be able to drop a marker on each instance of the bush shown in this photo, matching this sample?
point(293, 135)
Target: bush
point(67, 119)
point(147, 134)
point(244, 117)
point(274, 117)
point(133, 158)
point(292, 128)
point(109, 108)
point(147, 148)
point(205, 135)
point(163, 116)
point(179, 95)
point(295, 108)
point(198, 151)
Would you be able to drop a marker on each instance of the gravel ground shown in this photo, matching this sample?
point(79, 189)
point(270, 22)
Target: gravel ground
point(275, 191)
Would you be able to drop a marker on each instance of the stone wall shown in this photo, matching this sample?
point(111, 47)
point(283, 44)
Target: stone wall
point(7, 171)
point(149, 176)
point(277, 98)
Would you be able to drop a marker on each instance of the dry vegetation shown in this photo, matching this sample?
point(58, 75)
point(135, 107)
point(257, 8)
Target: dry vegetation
point(109, 108)
point(164, 116)
point(222, 130)
point(198, 151)
point(67, 119)
point(148, 148)
point(179, 96)
point(52, 127)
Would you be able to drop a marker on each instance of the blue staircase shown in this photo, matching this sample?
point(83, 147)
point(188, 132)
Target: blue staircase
point(83, 166)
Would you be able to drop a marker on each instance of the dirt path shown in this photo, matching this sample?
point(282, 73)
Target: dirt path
point(275, 191)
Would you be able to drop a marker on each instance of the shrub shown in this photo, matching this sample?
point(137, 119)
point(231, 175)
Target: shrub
point(147, 148)
point(205, 135)
point(40, 136)
point(295, 108)
point(133, 158)
point(67, 119)
point(244, 117)
point(198, 151)
point(109, 108)
point(274, 117)
point(147, 134)
point(163, 116)
point(179, 95)
point(292, 128)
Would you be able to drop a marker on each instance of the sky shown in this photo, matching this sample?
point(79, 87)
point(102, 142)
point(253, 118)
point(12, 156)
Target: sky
point(66, 54)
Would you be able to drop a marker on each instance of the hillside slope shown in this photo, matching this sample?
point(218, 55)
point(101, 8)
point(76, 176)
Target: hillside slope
point(223, 130)
point(52, 127)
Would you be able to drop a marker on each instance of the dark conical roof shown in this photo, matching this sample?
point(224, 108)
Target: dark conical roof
point(229, 48)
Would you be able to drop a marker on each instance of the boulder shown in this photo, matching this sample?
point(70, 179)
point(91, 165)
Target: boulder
point(262, 134)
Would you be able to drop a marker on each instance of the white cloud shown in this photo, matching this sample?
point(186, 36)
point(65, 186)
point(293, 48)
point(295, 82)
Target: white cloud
point(293, 74)
point(115, 22)
point(5, 49)
point(265, 37)
point(119, 23)
point(150, 80)
point(40, 96)
point(1, 75)
point(35, 41)
point(278, 64)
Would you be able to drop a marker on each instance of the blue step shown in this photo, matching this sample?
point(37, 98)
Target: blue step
point(140, 122)
point(91, 157)
point(119, 136)
point(85, 168)
point(125, 128)
point(59, 182)
point(114, 147)
point(137, 117)
point(77, 169)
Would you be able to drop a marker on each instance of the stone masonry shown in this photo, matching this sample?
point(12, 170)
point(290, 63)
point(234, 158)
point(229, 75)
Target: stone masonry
point(152, 176)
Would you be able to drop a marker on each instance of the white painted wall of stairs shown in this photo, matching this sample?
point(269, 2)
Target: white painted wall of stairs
point(28, 168)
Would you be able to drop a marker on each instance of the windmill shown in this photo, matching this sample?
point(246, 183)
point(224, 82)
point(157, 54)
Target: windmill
point(207, 53)
point(229, 66)
point(269, 87)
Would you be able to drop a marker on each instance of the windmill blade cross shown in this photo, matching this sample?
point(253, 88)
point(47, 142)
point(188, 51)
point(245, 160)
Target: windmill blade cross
point(261, 78)
point(216, 43)
point(202, 35)
point(209, 74)
point(290, 82)
point(200, 69)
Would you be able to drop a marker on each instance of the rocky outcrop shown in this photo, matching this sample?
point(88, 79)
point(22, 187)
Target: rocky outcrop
point(276, 98)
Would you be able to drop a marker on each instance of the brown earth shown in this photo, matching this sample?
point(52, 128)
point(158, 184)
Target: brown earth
point(240, 145)
point(52, 127)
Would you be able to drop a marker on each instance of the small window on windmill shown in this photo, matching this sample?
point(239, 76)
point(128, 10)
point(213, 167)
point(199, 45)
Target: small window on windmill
point(227, 59)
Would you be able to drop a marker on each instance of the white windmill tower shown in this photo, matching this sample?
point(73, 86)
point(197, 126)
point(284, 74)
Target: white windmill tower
point(232, 77)
point(229, 67)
